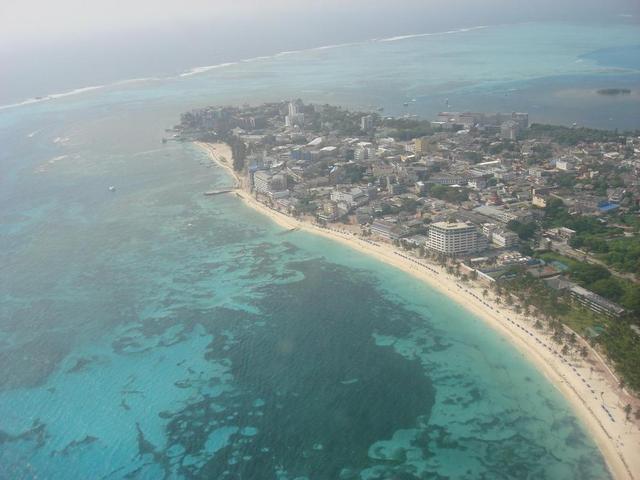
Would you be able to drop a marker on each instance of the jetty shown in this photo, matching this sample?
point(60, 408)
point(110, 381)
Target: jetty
point(211, 193)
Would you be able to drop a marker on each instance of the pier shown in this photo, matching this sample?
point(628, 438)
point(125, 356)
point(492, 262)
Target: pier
point(217, 192)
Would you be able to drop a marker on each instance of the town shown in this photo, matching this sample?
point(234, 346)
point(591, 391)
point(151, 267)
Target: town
point(547, 217)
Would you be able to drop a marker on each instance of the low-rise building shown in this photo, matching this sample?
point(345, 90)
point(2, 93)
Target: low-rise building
point(539, 200)
point(595, 302)
point(504, 239)
point(564, 164)
point(446, 179)
point(329, 212)
point(353, 197)
point(385, 229)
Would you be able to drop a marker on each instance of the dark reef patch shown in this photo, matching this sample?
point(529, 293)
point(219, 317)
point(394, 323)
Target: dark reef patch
point(288, 378)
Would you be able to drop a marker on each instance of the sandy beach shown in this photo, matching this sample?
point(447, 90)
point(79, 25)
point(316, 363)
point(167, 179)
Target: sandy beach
point(588, 384)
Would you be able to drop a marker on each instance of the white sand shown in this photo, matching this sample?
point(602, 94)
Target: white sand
point(589, 385)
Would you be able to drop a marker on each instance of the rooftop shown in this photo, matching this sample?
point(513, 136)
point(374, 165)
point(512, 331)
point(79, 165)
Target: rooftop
point(452, 225)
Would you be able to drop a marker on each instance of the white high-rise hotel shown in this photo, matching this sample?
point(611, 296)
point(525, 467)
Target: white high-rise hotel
point(293, 109)
point(454, 238)
point(295, 117)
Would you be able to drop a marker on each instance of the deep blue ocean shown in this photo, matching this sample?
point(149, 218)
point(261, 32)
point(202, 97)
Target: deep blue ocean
point(153, 332)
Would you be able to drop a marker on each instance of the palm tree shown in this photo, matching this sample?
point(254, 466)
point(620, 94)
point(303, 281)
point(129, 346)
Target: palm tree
point(627, 411)
point(557, 337)
point(584, 352)
point(565, 350)
point(485, 293)
point(538, 324)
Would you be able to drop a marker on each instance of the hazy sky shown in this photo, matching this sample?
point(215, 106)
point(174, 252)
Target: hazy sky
point(29, 20)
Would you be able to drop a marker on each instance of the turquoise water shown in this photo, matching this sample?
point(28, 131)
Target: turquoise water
point(153, 332)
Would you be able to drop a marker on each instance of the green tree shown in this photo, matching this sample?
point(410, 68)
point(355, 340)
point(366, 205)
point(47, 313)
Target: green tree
point(449, 194)
point(586, 273)
point(525, 231)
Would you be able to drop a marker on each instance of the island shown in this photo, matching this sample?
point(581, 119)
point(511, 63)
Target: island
point(534, 228)
point(614, 91)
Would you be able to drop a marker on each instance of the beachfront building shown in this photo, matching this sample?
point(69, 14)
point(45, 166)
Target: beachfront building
point(385, 229)
point(266, 183)
point(455, 238)
point(330, 212)
point(595, 302)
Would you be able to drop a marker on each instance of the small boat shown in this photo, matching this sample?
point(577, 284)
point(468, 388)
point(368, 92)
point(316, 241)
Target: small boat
point(112, 188)
point(406, 104)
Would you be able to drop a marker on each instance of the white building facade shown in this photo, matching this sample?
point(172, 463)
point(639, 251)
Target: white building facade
point(455, 238)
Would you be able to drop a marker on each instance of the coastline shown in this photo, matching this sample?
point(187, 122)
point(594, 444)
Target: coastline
point(589, 386)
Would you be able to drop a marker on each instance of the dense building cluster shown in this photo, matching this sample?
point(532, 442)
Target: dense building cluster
point(479, 187)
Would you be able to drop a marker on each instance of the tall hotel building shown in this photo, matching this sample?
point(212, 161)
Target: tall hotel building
point(455, 238)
